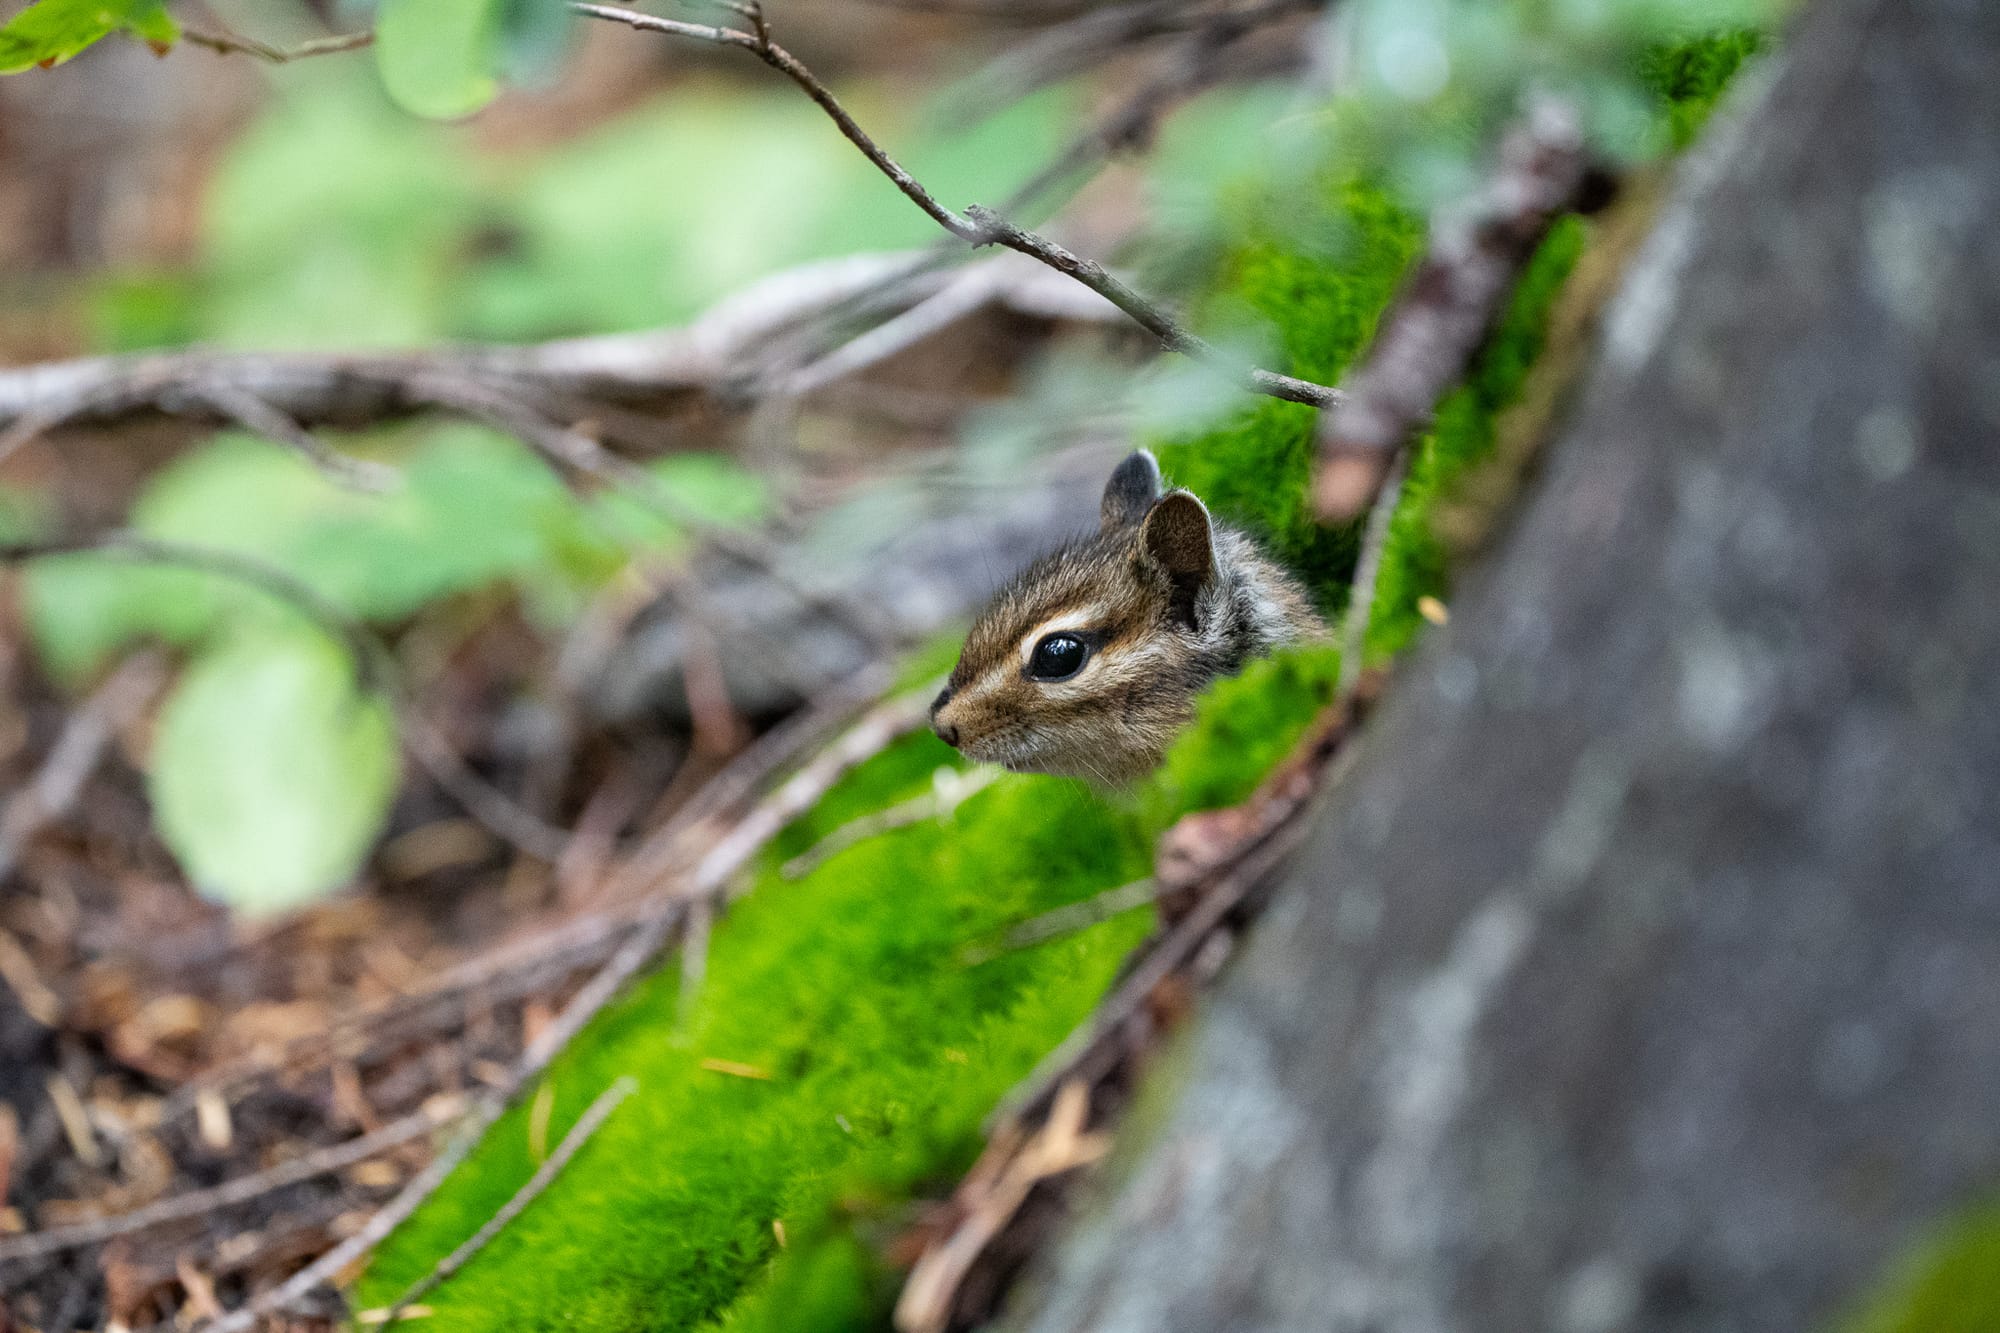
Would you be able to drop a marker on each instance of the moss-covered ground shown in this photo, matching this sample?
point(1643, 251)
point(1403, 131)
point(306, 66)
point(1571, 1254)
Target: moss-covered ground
point(716, 1199)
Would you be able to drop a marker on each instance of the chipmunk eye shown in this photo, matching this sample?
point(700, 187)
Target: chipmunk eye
point(1057, 657)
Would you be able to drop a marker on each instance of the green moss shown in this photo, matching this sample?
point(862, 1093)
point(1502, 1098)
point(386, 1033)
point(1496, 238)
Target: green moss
point(885, 1049)
point(1253, 470)
point(1950, 1285)
point(1690, 76)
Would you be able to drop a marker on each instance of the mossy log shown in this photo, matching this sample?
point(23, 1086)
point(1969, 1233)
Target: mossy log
point(1644, 974)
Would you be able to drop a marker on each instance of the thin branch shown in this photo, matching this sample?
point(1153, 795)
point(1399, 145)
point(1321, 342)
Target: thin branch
point(579, 1134)
point(75, 755)
point(1131, 124)
point(874, 733)
point(579, 452)
point(258, 417)
point(499, 813)
point(230, 43)
point(1435, 326)
point(1174, 336)
point(949, 790)
point(978, 226)
point(1361, 594)
point(199, 1203)
point(1103, 32)
point(1067, 920)
point(354, 389)
point(694, 959)
point(372, 659)
point(667, 847)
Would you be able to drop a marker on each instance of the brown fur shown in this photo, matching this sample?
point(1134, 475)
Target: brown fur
point(1165, 599)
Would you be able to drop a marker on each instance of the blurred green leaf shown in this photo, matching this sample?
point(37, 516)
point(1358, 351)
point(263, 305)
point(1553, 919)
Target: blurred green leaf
point(337, 220)
point(471, 508)
point(81, 609)
point(439, 58)
point(55, 30)
point(693, 196)
point(271, 775)
point(717, 488)
point(534, 38)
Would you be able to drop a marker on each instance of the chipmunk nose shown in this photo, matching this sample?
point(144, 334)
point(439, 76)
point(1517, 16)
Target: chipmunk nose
point(945, 730)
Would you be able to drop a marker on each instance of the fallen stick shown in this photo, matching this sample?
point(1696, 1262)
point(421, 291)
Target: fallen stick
point(198, 1203)
point(579, 1134)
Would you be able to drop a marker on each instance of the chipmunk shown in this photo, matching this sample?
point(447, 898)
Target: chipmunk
point(1088, 662)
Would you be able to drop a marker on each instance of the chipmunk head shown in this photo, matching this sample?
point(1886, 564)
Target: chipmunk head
point(1089, 661)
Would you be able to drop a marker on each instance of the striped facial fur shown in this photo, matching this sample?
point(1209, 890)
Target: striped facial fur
point(1088, 662)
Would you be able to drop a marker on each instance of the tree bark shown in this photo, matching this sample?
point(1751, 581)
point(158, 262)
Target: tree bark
point(1644, 973)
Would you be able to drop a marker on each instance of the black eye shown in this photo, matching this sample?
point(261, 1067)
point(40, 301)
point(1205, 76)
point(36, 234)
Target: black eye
point(1057, 657)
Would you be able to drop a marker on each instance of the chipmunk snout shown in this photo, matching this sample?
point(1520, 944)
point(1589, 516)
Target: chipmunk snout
point(947, 732)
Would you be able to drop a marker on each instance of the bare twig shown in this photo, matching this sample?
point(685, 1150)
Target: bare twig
point(71, 760)
point(1066, 920)
point(978, 226)
point(573, 449)
point(1103, 31)
point(1367, 570)
point(1173, 335)
point(667, 848)
point(949, 789)
point(255, 415)
point(496, 811)
point(199, 1203)
point(1058, 1146)
point(694, 958)
point(579, 1134)
point(371, 658)
point(1436, 324)
point(1129, 125)
point(353, 389)
point(230, 43)
point(882, 726)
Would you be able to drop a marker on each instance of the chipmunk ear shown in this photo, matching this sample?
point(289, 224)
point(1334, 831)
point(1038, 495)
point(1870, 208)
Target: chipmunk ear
point(1177, 536)
point(1134, 487)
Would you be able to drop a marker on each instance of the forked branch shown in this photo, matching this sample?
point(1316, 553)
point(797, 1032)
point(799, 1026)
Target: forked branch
point(976, 226)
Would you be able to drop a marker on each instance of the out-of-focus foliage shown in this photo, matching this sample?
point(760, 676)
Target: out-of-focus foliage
point(337, 220)
point(52, 31)
point(448, 58)
point(469, 509)
point(1429, 82)
point(271, 772)
point(439, 58)
point(265, 744)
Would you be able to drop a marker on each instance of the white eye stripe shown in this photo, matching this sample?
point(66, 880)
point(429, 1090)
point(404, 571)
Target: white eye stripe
point(1072, 621)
